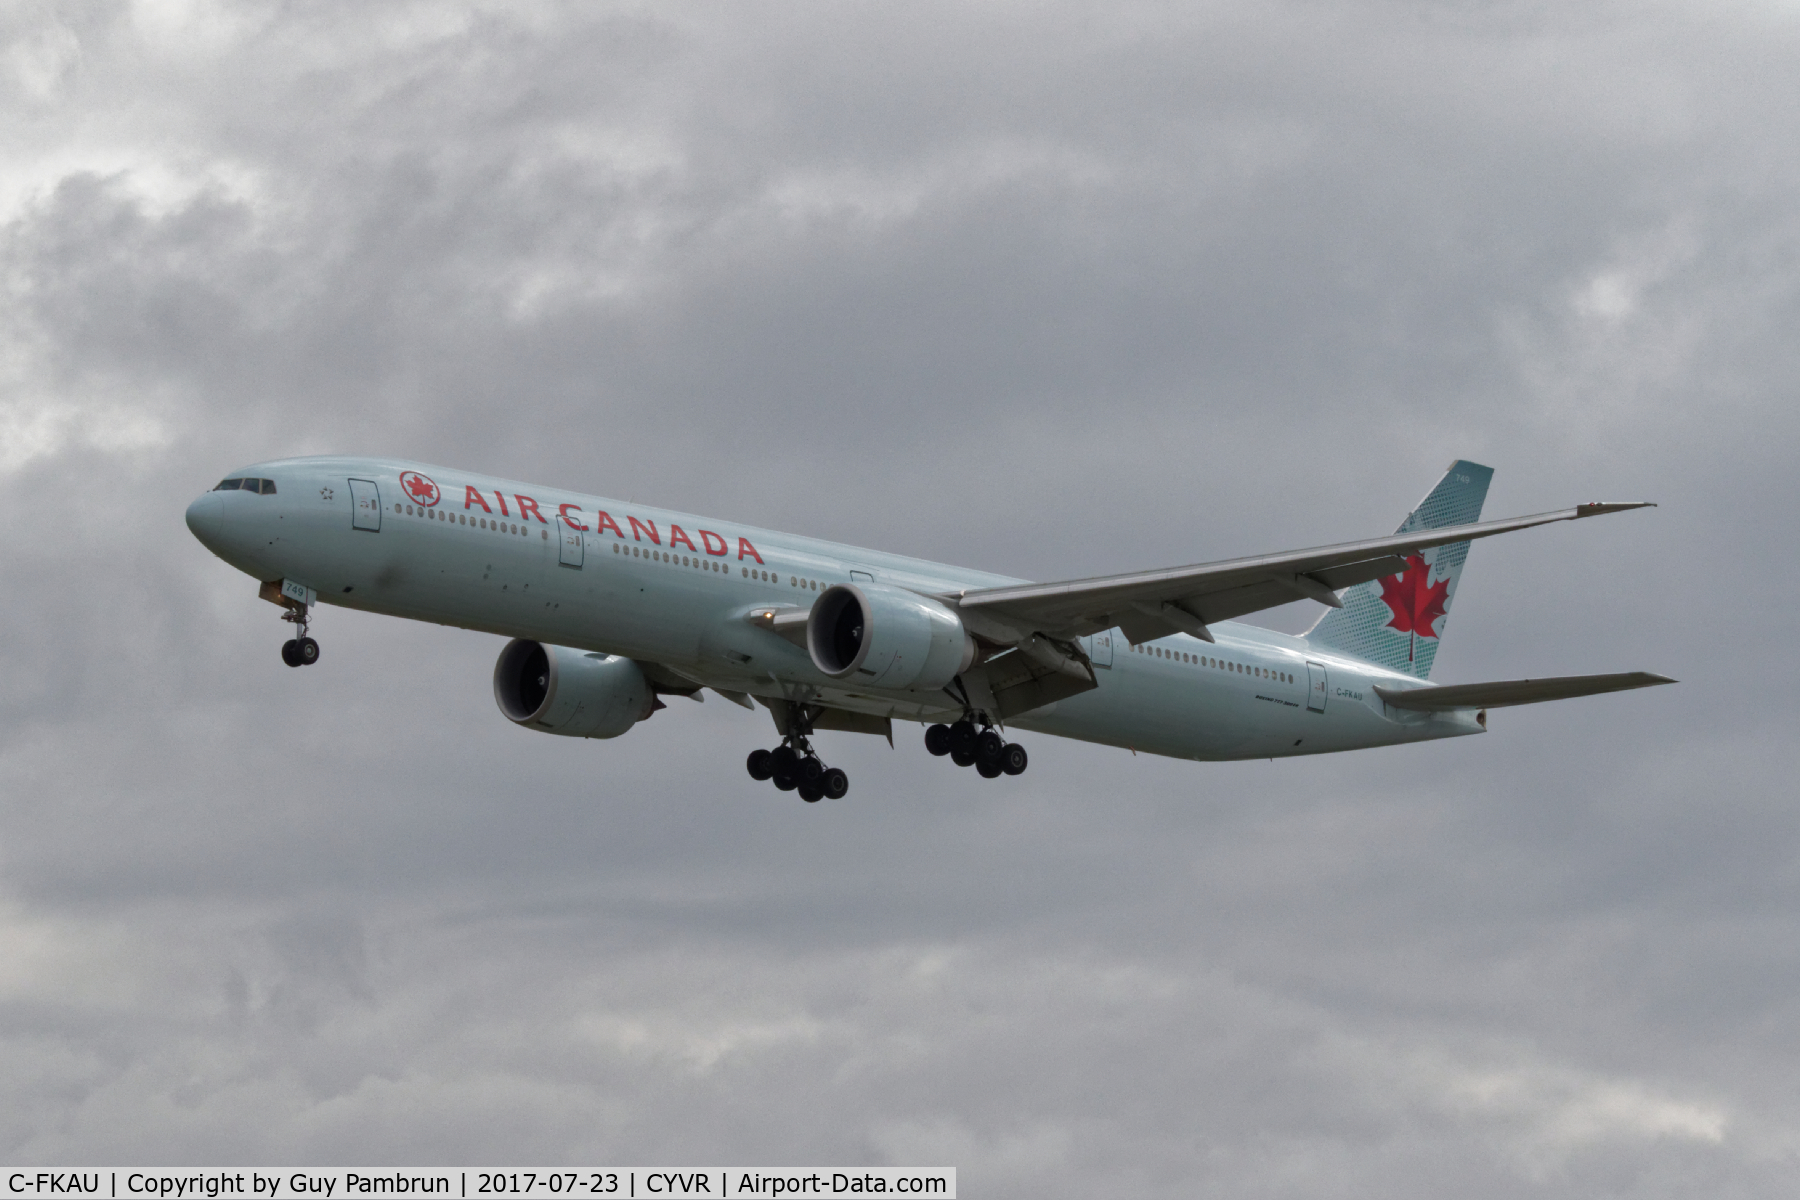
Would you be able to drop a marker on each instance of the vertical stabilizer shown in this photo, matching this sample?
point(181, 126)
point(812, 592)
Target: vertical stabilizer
point(1397, 622)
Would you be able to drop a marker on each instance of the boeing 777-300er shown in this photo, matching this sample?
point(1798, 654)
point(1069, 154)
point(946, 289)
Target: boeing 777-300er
point(608, 606)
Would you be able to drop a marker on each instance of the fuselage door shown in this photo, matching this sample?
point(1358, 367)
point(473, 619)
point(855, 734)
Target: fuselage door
point(1315, 686)
point(571, 544)
point(365, 500)
point(1100, 649)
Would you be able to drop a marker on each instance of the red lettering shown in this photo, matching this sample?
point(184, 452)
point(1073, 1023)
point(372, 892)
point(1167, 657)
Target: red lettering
point(602, 522)
point(471, 496)
point(708, 537)
point(528, 505)
point(678, 538)
point(502, 500)
point(562, 510)
point(637, 527)
point(744, 547)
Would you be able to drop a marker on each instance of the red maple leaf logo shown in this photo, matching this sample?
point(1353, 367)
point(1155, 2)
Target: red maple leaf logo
point(1416, 604)
point(420, 488)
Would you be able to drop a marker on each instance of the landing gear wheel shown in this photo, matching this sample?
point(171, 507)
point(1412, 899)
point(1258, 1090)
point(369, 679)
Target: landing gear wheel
point(811, 793)
point(963, 758)
point(835, 783)
point(989, 746)
point(1014, 759)
point(783, 761)
point(811, 770)
point(308, 652)
point(290, 652)
point(786, 781)
point(937, 740)
point(988, 769)
point(963, 737)
point(758, 765)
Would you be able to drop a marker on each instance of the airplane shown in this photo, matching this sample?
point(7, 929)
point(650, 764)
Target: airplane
point(609, 606)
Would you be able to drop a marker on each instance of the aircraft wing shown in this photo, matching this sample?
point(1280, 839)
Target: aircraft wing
point(1152, 604)
point(1514, 691)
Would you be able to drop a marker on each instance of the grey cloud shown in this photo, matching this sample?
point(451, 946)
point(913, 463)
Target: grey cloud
point(1045, 291)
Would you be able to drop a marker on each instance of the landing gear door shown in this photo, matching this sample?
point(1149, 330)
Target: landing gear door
point(1315, 687)
point(1100, 649)
point(365, 502)
point(570, 545)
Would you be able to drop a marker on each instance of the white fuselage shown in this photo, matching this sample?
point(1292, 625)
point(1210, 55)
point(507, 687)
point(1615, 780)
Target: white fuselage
point(675, 589)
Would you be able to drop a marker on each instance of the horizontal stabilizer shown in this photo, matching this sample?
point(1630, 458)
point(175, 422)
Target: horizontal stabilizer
point(1515, 691)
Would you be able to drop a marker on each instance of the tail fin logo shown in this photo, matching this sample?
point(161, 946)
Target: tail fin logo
point(1415, 602)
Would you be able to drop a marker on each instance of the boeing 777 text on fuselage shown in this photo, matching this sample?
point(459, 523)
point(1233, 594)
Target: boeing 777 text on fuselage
point(610, 606)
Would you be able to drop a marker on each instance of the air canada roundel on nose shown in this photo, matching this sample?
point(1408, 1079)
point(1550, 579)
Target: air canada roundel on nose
point(419, 488)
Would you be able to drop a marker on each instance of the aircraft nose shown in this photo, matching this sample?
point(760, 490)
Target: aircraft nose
point(206, 519)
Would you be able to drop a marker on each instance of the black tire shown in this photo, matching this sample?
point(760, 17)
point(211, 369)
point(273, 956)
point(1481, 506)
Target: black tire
point(937, 740)
point(290, 652)
point(1013, 759)
point(961, 759)
point(309, 652)
point(758, 765)
point(783, 760)
point(988, 769)
point(811, 769)
point(962, 737)
point(990, 746)
point(836, 784)
point(812, 793)
point(786, 781)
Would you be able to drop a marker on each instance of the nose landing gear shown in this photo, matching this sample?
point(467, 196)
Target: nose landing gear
point(299, 650)
point(990, 754)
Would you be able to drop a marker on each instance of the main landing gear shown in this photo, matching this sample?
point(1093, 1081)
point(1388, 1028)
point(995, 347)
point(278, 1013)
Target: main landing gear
point(794, 766)
point(985, 750)
point(299, 650)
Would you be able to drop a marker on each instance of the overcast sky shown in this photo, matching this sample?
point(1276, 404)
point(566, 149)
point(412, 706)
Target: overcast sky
point(1042, 289)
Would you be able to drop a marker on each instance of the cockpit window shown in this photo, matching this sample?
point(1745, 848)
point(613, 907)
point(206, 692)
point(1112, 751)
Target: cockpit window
point(229, 485)
point(268, 486)
point(264, 486)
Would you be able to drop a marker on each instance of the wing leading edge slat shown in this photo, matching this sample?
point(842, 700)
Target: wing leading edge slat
point(1219, 591)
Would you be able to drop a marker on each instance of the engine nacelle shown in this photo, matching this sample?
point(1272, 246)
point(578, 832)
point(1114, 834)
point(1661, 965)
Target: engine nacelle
point(887, 637)
point(554, 689)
